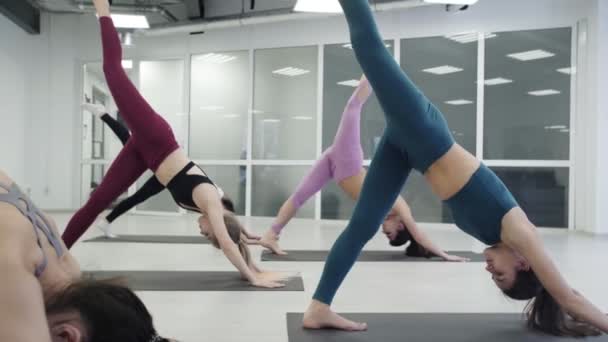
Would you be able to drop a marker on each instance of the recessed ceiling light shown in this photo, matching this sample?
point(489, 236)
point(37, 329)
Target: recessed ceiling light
point(565, 130)
point(531, 55)
point(291, 72)
point(256, 111)
point(216, 58)
point(567, 71)
point(443, 70)
point(459, 102)
point(497, 81)
point(302, 117)
point(127, 64)
point(318, 6)
point(130, 21)
point(469, 37)
point(271, 120)
point(544, 92)
point(452, 2)
point(350, 83)
point(555, 127)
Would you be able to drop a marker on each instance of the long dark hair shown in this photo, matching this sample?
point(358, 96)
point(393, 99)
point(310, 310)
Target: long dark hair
point(414, 249)
point(543, 312)
point(109, 311)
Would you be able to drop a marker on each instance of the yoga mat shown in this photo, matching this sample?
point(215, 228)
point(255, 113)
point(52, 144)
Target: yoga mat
point(189, 281)
point(178, 239)
point(366, 256)
point(428, 327)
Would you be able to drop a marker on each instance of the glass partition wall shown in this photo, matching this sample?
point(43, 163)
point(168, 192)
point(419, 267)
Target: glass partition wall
point(256, 120)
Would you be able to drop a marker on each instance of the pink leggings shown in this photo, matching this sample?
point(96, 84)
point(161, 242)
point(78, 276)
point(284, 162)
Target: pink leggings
point(343, 159)
point(151, 141)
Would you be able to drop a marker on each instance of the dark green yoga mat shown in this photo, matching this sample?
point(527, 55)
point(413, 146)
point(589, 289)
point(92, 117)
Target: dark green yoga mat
point(189, 281)
point(366, 256)
point(428, 327)
point(177, 239)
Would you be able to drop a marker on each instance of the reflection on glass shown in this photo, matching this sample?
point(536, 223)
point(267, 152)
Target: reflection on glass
point(98, 142)
point(219, 101)
point(162, 85)
point(425, 205)
point(273, 185)
point(541, 192)
point(341, 76)
point(162, 202)
point(233, 180)
point(527, 95)
point(285, 103)
point(91, 176)
point(445, 70)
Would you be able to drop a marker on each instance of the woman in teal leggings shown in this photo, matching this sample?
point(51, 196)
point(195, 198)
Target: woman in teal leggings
point(418, 137)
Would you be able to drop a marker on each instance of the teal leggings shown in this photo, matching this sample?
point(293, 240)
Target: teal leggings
point(416, 136)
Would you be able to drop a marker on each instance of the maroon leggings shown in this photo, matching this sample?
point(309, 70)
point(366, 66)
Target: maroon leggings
point(151, 141)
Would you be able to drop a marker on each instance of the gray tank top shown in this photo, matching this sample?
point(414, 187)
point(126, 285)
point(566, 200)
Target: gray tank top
point(16, 197)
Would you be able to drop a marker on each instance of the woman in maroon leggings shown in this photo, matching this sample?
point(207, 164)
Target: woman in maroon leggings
point(153, 146)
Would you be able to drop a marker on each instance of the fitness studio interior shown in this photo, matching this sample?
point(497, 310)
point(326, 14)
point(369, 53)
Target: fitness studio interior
point(303, 170)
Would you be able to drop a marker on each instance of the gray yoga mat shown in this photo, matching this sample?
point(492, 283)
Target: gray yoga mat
point(427, 327)
point(178, 239)
point(366, 256)
point(189, 281)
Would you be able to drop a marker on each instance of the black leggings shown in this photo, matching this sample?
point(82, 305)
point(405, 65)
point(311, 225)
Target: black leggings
point(152, 186)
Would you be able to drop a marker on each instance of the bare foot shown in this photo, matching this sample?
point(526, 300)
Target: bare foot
point(320, 316)
point(271, 241)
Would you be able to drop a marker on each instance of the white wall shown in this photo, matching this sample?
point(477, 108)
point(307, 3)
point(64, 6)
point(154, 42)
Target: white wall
point(602, 127)
point(15, 51)
point(74, 39)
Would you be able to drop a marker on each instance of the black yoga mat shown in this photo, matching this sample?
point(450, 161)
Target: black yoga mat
point(178, 239)
point(366, 256)
point(428, 327)
point(189, 281)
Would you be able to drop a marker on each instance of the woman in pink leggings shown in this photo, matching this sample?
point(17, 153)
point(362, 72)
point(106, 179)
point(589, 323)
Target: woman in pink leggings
point(153, 146)
point(343, 163)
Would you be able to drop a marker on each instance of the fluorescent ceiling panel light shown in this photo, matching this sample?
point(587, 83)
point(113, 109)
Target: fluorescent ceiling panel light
point(211, 108)
point(318, 6)
point(300, 117)
point(452, 2)
point(497, 81)
point(256, 111)
point(531, 55)
point(127, 64)
point(469, 37)
point(130, 21)
point(231, 116)
point(443, 70)
point(272, 120)
point(565, 130)
point(555, 127)
point(459, 102)
point(350, 83)
point(350, 46)
point(544, 92)
point(215, 58)
point(291, 72)
point(567, 71)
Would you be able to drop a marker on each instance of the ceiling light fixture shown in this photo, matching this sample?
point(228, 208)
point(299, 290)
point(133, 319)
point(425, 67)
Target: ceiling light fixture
point(127, 64)
point(443, 70)
point(469, 37)
point(459, 102)
point(291, 72)
point(130, 21)
point(497, 81)
point(215, 58)
point(350, 83)
point(531, 55)
point(544, 92)
point(318, 6)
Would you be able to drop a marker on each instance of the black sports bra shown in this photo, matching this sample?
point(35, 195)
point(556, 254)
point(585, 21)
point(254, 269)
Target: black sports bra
point(182, 185)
